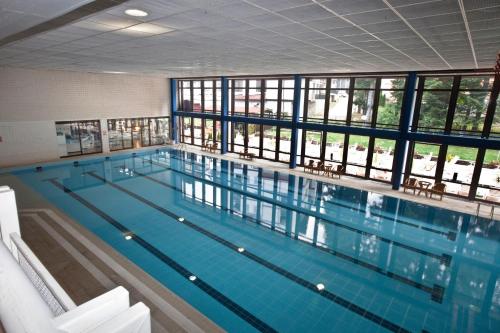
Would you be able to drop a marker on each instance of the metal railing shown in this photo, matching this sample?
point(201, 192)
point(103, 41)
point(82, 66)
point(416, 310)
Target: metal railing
point(51, 292)
point(492, 209)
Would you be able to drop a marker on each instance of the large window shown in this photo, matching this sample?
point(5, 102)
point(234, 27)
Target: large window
point(363, 102)
point(458, 169)
point(199, 95)
point(424, 159)
point(312, 146)
point(435, 99)
point(137, 132)
point(357, 155)
point(334, 149)
point(336, 109)
point(382, 159)
point(338, 100)
point(472, 104)
point(78, 137)
point(315, 104)
point(390, 102)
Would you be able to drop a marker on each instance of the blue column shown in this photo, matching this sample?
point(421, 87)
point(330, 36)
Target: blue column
point(402, 141)
point(224, 113)
point(294, 142)
point(173, 108)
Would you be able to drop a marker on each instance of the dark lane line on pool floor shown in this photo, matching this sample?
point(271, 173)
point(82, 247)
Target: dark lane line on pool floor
point(214, 293)
point(436, 291)
point(292, 277)
point(443, 258)
point(450, 235)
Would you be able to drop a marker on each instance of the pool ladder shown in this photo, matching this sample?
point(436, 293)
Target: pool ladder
point(492, 211)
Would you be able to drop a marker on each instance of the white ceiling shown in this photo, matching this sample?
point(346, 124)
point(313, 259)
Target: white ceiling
point(18, 15)
point(213, 37)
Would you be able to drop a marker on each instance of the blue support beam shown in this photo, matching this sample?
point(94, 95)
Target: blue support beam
point(402, 140)
point(295, 120)
point(224, 113)
point(173, 110)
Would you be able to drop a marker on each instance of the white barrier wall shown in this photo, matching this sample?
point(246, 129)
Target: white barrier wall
point(31, 300)
point(9, 221)
point(32, 100)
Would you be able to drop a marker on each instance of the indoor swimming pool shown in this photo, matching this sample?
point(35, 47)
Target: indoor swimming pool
point(258, 250)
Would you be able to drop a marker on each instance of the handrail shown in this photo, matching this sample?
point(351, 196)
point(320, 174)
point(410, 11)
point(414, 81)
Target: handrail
point(53, 294)
point(492, 211)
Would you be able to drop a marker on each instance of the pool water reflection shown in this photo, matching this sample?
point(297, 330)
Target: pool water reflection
point(260, 243)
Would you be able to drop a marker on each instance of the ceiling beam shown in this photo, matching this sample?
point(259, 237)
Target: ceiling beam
point(62, 20)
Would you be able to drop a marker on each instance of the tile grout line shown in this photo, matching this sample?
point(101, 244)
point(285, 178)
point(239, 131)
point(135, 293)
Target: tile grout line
point(335, 298)
point(161, 303)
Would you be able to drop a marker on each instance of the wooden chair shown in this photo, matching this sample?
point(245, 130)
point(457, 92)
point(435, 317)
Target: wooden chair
point(213, 148)
point(320, 166)
point(309, 166)
point(328, 169)
point(339, 171)
point(438, 189)
point(205, 146)
point(410, 184)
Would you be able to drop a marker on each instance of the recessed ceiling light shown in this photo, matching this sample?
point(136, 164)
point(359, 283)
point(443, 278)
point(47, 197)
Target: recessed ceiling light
point(240, 250)
point(128, 236)
point(180, 219)
point(320, 286)
point(192, 278)
point(136, 12)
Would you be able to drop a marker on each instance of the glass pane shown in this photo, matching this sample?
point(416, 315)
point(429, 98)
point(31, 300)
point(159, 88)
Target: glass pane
point(286, 110)
point(285, 138)
point(382, 158)
point(434, 109)
point(254, 139)
point(425, 159)
point(269, 147)
point(443, 82)
point(470, 111)
point(197, 125)
point(389, 108)
point(254, 104)
point(337, 111)
point(270, 109)
point(68, 139)
point(394, 83)
point(476, 82)
point(90, 136)
point(186, 127)
point(458, 169)
point(209, 131)
point(334, 149)
point(239, 137)
point(271, 93)
point(316, 106)
point(313, 144)
point(186, 96)
point(362, 107)
point(144, 131)
point(209, 96)
point(364, 83)
point(357, 154)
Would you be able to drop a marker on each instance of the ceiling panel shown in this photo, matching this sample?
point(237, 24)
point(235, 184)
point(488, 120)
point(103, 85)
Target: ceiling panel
point(215, 37)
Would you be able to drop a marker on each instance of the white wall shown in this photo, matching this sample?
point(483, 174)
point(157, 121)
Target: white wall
point(32, 100)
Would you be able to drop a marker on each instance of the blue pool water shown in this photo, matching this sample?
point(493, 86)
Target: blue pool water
point(260, 242)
